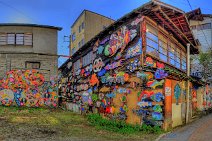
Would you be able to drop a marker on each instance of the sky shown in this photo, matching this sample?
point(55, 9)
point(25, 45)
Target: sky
point(63, 13)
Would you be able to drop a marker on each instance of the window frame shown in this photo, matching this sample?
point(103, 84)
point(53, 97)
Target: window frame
point(32, 63)
point(79, 44)
point(8, 39)
point(87, 59)
point(164, 46)
point(149, 39)
point(26, 39)
point(83, 25)
point(16, 37)
point(3, 38)
point(80, 28)
point(173, 47)
point(73, 37)
point(76, 65)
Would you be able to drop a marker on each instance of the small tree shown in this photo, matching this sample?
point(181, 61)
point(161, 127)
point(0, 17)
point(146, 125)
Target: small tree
point(205, 60)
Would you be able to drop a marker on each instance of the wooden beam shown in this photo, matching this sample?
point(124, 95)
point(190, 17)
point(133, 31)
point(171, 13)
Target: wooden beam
point(170, 27)
point(177, 17)
point(164, 14)
point(180, 24)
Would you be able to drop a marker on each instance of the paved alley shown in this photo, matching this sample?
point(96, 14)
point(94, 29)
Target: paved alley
point(200, 130)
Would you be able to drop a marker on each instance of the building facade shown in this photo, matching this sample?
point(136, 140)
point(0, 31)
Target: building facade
point(86, 26)
point(136, 70)
point(201, 25)
point(28, 61)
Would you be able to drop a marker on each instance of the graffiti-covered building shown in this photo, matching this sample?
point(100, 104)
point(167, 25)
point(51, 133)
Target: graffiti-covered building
point(136, 69)
point(28, 64)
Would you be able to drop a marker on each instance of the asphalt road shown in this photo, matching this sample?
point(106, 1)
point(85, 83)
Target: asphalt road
point(199, 130)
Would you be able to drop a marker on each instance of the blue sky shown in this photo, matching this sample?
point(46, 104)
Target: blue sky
point(63, 13)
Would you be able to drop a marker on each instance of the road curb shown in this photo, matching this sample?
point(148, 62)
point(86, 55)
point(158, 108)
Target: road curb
point(162, 135)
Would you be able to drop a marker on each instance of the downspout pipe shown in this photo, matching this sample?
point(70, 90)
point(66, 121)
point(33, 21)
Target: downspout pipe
point(188, 84)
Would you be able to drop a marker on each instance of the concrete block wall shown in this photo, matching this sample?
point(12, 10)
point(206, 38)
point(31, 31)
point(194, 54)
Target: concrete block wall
point(48, 64)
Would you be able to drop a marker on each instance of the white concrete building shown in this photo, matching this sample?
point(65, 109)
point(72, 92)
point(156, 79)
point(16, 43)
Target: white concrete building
point(28, 46)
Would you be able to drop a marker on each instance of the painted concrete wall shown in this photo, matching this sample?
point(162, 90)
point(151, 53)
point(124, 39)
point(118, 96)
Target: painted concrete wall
point(78, 36)
point(93, 25)
point(14, 57)
point(48, 64)
point(44, 40)
point(205, 40)
point(28, 88)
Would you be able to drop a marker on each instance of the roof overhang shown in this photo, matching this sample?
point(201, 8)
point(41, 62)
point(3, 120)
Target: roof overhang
point(31, 25)
point(171, 18)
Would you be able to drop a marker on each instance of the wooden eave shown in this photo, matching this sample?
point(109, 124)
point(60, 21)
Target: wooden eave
point(195, 15)
point(171, 18)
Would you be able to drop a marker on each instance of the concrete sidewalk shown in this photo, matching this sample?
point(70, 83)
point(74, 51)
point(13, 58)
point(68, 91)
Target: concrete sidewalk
point(200, 130)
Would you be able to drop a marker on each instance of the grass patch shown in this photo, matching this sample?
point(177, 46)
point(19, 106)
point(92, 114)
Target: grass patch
point(56, 124)
point(120, 126)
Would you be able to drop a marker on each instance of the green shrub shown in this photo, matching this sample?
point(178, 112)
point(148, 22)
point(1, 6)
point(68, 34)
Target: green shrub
point(120, 126)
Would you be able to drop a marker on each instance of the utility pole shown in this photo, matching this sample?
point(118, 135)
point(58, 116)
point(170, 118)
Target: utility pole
point(188, 84)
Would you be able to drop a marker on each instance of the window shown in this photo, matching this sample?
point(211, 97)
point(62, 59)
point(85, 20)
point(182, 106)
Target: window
point(159, 46)
point(177, 61)
point(73, 37)
point(19, 40)
point(76, 65)
point(10, 38)
point(152, 41)
point(82, 42)
point(32, 65)
point(73, 50)
point(204, 26)
point(183, 61)
point(163, 49)
point(87, 59)
point(80, 27)
point(79, 44)
point(28, 39)
point(3, 38)
point(16, 39)
point(174, 55)
point(83, 25)
point(172, 48)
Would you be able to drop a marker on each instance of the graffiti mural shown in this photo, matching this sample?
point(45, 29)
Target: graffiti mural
point(160, 74)
point(133, 65)
point(114, 65)
point(120, 84)
point(28, 88)
point(120, 39)
point(6, 97)
point(177, 92)
point(135, 50)
point(97, 64)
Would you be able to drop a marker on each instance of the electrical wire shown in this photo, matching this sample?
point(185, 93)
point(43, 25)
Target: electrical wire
point(199, 25)
point(17, 10)
point(185, 3)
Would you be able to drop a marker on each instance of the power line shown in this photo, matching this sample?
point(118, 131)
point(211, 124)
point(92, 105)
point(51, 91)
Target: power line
point(199, 25)
point(183, 4)
point(17, 10)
